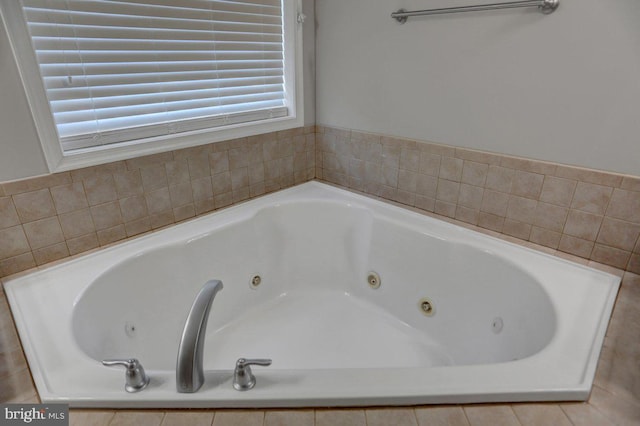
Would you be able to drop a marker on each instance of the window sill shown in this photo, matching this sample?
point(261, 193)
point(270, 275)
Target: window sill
point(59, 161)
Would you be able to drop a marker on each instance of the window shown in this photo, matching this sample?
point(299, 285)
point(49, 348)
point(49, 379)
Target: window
point(147, 75)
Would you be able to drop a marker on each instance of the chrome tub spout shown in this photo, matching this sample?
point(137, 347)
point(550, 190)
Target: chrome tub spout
point(189, 367)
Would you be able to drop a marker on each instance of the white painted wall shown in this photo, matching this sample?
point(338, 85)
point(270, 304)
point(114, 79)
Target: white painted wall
point(20, 151)
point(563, 87)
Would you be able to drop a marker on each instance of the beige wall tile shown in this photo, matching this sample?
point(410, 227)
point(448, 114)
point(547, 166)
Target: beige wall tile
point(240, 178)
point(391, 156)
point(43, 232)
point(588, 175)
point(410, 159)
point(527, 184)
point(373, 173)
point(100, 189)
point(631, 183)
point(8, 214)
point(474, 173)
point(133, 208)
point(90, 417)
point(68, 198)
point(467, 215)
point(36, 184)
point(51, 253)
point(154, 177)
point(582, 414)
point(491, 415)
point(83, 243)
point(238, 158)
point(289, 418)
point(177, 171)
point(610, 256)
point(77, 223)
point(195, 151)
point(199, 166)
point(137, 226)
point(619, 234)
point(625, 205)
point(356, 168)
point(128, 183)
point(17, 387)
point(591, 198)
point(202, 188)
point(221, 183)
point(491, 221)
point(495, 202)
point(254, 154)
point(470, 196)
point(550, 216)
point(34, 205)
point(441, 416)
point(256, 189)
point(558, 191)
point(18, 263)
point(184, 212)
point(425, 203)
point(391, 416)
point(533, 166)
point(634, 263)
point(478, 156)
point(180, 194)
point(426, 186)
point(158, 220)
point(137, 418)
point(451, 169)
point(445, 209)
point(344, 417)
point(517, 229)
point(500, 178)
point(106, 215)
point(149, 160)
point(205, 206)
point(223, 200)
point(583, 225)
point(158, 201)
point(619, 411)
point(448, 191)
point(429, 164)
point(219, 162)
point(576, 246)
point(238, 418)
point(111, 235)
point(405, 197)
point(545, 237)
point(407, 180)
point(188, 418)
point(521, 209)
point(541, 414)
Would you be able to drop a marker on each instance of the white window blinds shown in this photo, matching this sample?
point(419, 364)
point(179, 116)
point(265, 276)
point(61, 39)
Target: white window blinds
point(118, 71)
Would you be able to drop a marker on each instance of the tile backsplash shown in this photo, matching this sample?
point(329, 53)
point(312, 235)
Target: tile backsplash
point(591, 214)
point(52, 217)
point(587, 213)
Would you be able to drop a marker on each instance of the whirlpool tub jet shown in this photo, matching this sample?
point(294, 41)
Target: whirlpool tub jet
point(342, 299)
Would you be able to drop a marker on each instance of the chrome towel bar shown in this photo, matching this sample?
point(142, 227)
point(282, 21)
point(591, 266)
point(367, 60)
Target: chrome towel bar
point(544, 6)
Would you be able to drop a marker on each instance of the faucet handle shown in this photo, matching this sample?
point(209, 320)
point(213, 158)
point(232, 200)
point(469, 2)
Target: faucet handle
point(135, 377)
point(243, 378)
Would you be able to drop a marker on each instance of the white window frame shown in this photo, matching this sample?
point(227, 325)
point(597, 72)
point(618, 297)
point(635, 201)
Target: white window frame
point(58, 160)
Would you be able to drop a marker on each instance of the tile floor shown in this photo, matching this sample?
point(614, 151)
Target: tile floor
point(614, 400)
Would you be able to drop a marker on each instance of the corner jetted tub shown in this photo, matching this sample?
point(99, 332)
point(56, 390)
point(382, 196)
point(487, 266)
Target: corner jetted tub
point(358, 302)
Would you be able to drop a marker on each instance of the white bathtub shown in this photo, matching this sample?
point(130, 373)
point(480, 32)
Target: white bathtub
point(507, 323)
